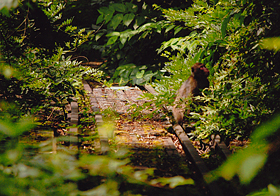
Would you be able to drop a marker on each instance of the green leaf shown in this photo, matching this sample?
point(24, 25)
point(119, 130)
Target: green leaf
point(198, 55)
point(266, 129)
point(179, 180)
point(128, 18)
point(99, 19)
point(107, 13)
point(271, 43)
point(177, 30)
point(123, 39)
point(148, 75)
point(112, 40)
point(115, 33)
point(251, 166)
point(224, 26)
point(5, 11)
point(15, 129)
point(126, 35)
point(116, 21)
point(173, 181)
point(148, 26)
point(131, 7)
point(98, 36)
point(119, 7)
point(139, 20)
point(169, 28)
point(143, 67)
point(140, 74)
point(103, 10)
point(273, 190)
point(144, 27)
point(130, 33)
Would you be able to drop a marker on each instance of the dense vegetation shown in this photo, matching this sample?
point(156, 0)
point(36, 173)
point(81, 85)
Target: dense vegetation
point(42, 44)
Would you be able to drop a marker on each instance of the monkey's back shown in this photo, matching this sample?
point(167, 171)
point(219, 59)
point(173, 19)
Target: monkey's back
point(184, 91)
point(187, 89)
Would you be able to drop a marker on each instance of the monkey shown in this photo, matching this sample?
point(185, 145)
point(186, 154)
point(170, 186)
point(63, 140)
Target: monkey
point(191, 87)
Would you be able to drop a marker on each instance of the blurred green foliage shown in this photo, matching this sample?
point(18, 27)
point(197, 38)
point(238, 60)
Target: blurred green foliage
point(35, 171)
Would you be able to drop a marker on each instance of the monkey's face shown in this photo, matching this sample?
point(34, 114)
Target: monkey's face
point(200, 71)
point(204, 70)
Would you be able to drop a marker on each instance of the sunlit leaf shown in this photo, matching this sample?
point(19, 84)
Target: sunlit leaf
point(116, 20)
point(106, 130)
point(271, 43)
point(112, 40)
point(123, 39)
point(177, 30)
point(108, 188)
point(273, 190)
point(173, 181)
point(25, 171)
point(15, 129)
point(138, 21)
point(229, 168)
point(140, 74)
point(98, 36)
point(113, 34)
point(251, 166)
point(13, 155)
point(266, 129)
point(128, 18)
point(170, 27)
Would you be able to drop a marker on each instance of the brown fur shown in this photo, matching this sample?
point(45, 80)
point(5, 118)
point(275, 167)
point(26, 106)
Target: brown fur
point(197, 80)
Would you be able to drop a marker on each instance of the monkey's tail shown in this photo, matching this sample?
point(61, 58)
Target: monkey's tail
point(178, 113)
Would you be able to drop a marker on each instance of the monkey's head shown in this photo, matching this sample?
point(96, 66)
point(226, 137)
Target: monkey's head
point(200, 71)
